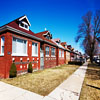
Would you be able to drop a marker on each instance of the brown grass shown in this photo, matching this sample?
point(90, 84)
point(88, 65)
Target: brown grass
point(43, 82)
point(91, 85)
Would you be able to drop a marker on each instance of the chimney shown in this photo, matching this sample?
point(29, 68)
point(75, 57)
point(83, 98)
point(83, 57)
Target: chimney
point(45, 29)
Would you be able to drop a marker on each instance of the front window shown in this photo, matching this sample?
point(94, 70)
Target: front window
point(63, 54)
point(59, 53)
point(47, 51)
point(19, 46)
point(52, 51)
point(2, 45)
point(34, 49)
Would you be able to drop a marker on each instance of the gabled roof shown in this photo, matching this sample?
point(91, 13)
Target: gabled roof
point(57, 40)
point(59, 45)
point(14, 26)
point(64, 44)
point(41, 35)
point(25, 19)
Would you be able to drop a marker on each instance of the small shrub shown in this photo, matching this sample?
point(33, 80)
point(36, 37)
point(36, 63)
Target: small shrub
point(13, 71)
point(75, 62)
point(30, 69)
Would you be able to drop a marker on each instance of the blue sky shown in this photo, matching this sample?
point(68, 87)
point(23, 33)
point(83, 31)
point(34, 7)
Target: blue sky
point(60, 17)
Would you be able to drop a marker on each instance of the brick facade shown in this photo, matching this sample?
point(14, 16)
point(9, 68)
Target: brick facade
point(43, 39)
point(22, 65)
point(49, 61)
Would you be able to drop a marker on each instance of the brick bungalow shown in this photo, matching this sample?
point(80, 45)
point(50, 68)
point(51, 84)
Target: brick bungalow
point(48, 53)
point(71, 52)
point(67, 52)
point(20, 45)
point(60, 52)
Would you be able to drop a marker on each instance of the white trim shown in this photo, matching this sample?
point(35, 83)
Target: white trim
point(53, 56)
point(18, 54)
point(14, 54)
point(60, 53)
point(47, 55)
point(2, 54)
point(35, 55)
point(2, 44)
point(24, 26)
point(46, 33)
point(26, 19)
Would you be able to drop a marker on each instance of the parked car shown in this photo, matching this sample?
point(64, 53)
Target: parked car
point(97, 61)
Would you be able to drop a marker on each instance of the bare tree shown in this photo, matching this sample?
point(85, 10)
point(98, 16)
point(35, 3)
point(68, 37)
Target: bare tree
point(89, 33)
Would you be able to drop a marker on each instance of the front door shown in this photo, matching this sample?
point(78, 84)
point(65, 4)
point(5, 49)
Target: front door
point(41, 59)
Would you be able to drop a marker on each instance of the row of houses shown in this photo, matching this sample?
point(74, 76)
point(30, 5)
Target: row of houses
point(20, 45)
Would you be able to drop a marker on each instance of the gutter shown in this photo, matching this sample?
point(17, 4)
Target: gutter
point(4, 28)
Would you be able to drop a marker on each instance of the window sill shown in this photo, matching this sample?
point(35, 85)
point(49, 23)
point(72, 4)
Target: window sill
point(34, 55)
point(19, 55)
point(47, 56)
point(53, 56)
point(1, 54)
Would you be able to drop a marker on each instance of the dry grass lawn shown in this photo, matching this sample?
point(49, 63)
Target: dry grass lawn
point(44, 81)
point(91, 85)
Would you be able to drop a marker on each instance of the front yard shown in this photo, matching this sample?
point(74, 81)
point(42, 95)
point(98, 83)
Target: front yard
point(44, 81)
point(91, 85)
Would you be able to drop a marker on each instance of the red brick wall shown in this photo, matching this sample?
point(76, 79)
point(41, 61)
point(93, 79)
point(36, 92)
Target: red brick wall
point(49, 61)
point(6, 60)
point(2, 61)
point(60, 60)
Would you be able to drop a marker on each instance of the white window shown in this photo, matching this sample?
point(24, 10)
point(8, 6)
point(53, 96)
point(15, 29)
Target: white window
point(34, 49)
point(63, 54)
point(59, 53)
point(47, 51)
point(2, 45)
point(24, 25)
point(19, 47)
point(52, 51)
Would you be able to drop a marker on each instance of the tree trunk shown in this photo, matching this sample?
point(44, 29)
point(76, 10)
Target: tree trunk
point(91, 59)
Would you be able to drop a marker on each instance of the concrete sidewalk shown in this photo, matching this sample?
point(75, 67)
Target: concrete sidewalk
point(69, 90)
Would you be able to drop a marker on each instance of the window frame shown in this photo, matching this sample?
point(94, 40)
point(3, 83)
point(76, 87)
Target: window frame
point(53, 50)
point(35, 55)
point(2, 53)
point(24, 23)
point(62, 53)
point(59, 53)
point(20, 54)
point(47, 53)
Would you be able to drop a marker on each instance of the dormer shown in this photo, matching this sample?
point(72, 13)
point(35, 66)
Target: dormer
point(64, 44)
point(47, 35)
point(69, 47)
point(57, 41)
point(24, 23)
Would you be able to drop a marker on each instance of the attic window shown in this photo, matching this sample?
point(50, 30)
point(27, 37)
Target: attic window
point(47, 37)
point(24, 25)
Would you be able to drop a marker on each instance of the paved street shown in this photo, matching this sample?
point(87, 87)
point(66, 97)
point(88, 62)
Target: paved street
point(69, 90)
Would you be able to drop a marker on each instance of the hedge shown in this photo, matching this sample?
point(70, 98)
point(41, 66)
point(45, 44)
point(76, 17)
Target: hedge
point(75, 62)
point(13, 71)
point(30, 69)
